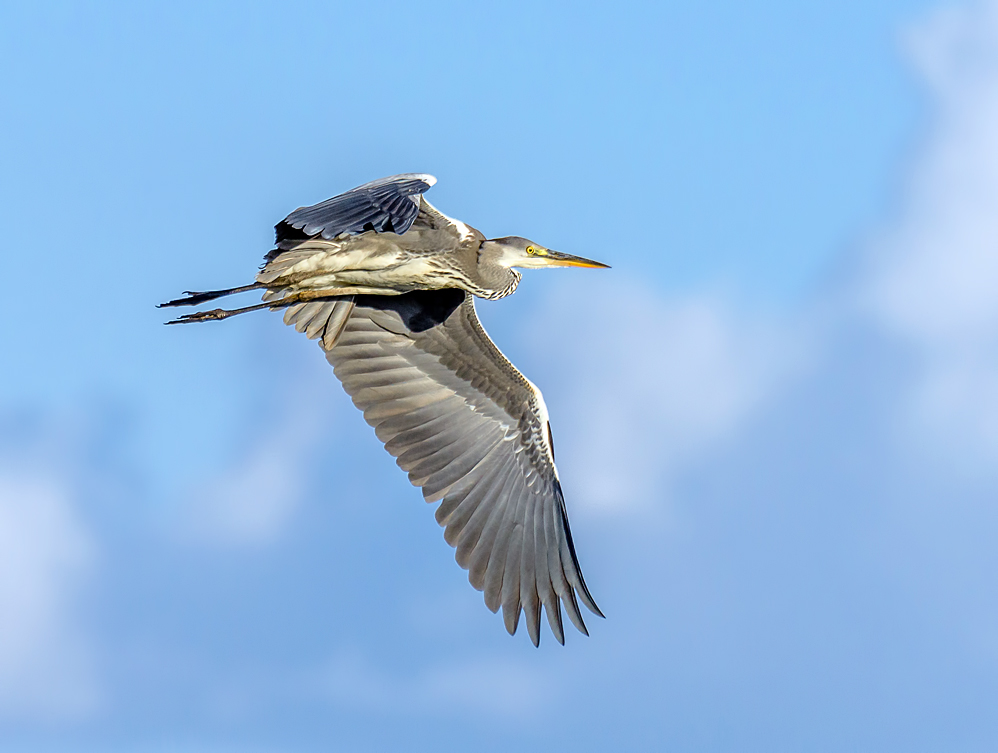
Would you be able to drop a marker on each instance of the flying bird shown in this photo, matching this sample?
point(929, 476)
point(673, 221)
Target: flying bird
point(386, 283)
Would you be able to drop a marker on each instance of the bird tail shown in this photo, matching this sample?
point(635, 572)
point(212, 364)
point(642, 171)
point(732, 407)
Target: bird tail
point(192, 298)
point(323, 319)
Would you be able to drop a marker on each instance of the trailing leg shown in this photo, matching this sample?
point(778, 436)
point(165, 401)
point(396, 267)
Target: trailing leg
point(288, 300)
point(195, 299)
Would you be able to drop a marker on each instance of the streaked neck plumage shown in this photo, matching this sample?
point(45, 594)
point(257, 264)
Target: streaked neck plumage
point(493, 278)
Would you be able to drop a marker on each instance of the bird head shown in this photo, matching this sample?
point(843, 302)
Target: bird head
point(514, 251)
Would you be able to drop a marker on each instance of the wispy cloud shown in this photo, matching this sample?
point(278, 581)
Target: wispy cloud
point(653, 385)
point(46, 556)
point(781, 578)
point(932, 278)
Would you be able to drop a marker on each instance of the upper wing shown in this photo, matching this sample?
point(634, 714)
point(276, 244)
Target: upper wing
point(472, 431)
point(385, 205)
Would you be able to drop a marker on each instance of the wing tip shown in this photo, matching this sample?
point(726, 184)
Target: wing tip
point(511, 618)
point(587, 598)
point(554, 621)
point(534, 631)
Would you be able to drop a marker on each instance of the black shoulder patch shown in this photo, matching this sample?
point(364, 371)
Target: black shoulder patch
point(419, 310)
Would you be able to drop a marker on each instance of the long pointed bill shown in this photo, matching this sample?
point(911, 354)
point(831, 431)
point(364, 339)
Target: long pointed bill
point(558, 259)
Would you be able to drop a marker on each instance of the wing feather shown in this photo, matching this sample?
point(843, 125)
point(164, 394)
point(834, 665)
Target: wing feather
point(496, 566)
point(415, 435)
point(472, 432)
point(511, 572)
point(481, 475)
point(427, 469)
point(443, 468)
point(465, 524)
point(528, 573)
point(556, 582)
point(384, 205)
point(439, 441)
point(477, 559)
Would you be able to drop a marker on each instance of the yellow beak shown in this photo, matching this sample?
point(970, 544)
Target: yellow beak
point(558, 259)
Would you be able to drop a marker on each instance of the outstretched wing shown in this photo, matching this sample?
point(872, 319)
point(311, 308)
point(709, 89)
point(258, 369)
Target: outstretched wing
point(473, 432)
point(385, 205)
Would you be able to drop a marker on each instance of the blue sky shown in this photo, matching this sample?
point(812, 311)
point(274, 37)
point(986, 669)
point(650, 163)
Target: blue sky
point(777, 415)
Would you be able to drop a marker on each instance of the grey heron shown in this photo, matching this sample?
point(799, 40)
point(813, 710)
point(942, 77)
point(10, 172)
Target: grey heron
point(386, 284)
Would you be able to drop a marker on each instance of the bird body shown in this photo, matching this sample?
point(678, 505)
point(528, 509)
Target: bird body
point(386, 284)
point(394, 264)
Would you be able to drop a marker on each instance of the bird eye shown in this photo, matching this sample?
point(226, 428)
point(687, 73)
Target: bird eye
point(531, 250)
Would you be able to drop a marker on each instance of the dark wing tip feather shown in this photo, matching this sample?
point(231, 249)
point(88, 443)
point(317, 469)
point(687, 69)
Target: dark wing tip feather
point(553, 613)
point(581, 587)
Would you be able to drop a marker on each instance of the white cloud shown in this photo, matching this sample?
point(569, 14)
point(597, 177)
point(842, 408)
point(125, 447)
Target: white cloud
point(933, 276)
point(45, 556)
point(653, 385)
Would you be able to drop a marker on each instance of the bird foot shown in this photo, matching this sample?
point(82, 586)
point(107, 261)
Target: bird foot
point(202, 316)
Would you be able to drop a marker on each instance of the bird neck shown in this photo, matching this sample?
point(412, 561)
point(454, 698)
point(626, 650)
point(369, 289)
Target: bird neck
point(493, 281)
